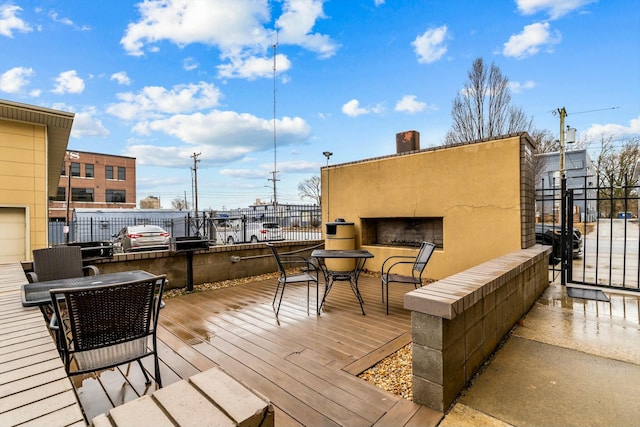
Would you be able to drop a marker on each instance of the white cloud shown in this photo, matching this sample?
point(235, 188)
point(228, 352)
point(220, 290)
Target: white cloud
point(253, 67)
point(221, 136)
point(68, 82)
point(86, 124)
point(378, 2)
point(65, 21)
point(597, 131)
point(528, 42)
point(236, 27)
point(229, 24)
point(9, 21)
point(410, 104)
point(296, 23)
point(517, 87)
point(121, 77)
point(263, 171)
point(157, 101)
point(430, 46)
point(555, 8)
point(190, 63)
point(353, 109)
point(14, 79)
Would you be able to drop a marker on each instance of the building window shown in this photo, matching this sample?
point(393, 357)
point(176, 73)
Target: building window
point(75, 169)
point(108, 172)
point(116, 196)
point(60, 196)
point(122, 176)
point(63, 171)
point(88, 171)
point(82, 194)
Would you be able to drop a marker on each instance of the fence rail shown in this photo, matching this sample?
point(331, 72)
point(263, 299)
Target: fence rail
point(300, 222)
point(607, 220)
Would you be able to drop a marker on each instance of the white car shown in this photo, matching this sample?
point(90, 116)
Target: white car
point(264, 232)
point(142, 237)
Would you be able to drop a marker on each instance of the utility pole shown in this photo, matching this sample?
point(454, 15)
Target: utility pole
point(563, 113)
point(195, 178)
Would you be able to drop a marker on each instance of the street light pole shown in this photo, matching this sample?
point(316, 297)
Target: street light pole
point(67, 229)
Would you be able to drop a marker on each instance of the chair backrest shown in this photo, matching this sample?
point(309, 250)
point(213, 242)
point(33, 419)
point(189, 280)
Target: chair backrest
point(426, 249)
point(103, 316)
point(274, 251)
point(59, 262)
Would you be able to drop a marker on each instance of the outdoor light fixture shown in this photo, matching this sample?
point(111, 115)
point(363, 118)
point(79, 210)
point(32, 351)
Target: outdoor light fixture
point(327, 154)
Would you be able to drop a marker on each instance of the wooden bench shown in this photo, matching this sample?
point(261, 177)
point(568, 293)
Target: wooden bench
point(210, 398)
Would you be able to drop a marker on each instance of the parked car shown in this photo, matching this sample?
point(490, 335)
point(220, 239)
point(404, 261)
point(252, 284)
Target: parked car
point(142, 238)
point(264, 232)
point(551, 234)
point(250, 232)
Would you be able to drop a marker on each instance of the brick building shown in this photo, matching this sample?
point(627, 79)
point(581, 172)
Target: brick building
point(96, 181)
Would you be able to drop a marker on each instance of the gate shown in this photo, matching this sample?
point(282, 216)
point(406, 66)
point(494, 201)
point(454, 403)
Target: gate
point(594, 231)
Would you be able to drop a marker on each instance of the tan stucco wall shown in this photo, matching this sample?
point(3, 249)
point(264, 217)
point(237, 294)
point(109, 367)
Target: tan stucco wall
point(23, 175)
point(475, 188)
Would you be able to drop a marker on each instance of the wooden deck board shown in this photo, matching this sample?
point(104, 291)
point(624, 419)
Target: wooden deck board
point(303, 363)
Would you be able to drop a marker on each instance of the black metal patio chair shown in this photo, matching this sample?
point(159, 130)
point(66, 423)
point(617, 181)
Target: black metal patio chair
point(285, 278)
point(419, 262)
point(101, 327)
point(59, 262)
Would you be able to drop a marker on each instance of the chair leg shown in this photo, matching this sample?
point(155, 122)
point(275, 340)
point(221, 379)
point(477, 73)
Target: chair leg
point(146, 377)
point(276, 295)
point(157, 363)
point(387, 289)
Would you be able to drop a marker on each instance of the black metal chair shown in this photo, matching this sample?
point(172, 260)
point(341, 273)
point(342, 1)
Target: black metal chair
point(418, 262)
point(59, 262)
point(101, 327)
point(285, 279)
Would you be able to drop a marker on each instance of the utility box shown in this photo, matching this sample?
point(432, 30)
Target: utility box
point(340, 235)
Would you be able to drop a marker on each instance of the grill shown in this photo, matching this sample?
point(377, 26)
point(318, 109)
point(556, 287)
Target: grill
point(184, 244)
point(187, 246)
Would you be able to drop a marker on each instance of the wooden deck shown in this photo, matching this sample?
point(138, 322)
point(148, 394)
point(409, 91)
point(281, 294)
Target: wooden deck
point(305, 364)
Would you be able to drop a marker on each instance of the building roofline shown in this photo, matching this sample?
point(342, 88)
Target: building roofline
point(100, 154)
point(437, 148)
point(58, 125)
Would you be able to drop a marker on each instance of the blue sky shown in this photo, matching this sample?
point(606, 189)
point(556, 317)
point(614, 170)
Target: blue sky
point(162, 80)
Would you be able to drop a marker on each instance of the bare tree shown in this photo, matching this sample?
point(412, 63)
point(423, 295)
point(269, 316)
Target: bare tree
point(483, 108)
point(310, 189)
point(544, 142)
point(179, 203)
point(618, 175)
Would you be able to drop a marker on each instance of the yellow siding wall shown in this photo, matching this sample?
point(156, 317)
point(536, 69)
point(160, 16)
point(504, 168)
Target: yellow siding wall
point(475, 188)
point(23, 175)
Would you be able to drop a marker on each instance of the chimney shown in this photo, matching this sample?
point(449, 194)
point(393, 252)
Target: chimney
point(407, 141)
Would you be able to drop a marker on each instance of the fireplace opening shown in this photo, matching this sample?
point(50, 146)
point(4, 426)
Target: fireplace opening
point(404, 232)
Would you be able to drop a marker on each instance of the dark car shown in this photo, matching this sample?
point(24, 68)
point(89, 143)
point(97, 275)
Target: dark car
point(142, 238)
point(551, 234)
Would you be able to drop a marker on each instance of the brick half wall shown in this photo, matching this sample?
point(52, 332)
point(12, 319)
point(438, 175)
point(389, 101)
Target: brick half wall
point(458, 322)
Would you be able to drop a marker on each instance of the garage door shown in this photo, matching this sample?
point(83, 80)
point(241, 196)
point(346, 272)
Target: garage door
point(13, 226)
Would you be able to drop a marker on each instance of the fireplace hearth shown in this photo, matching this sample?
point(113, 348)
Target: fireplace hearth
point(402, 232)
